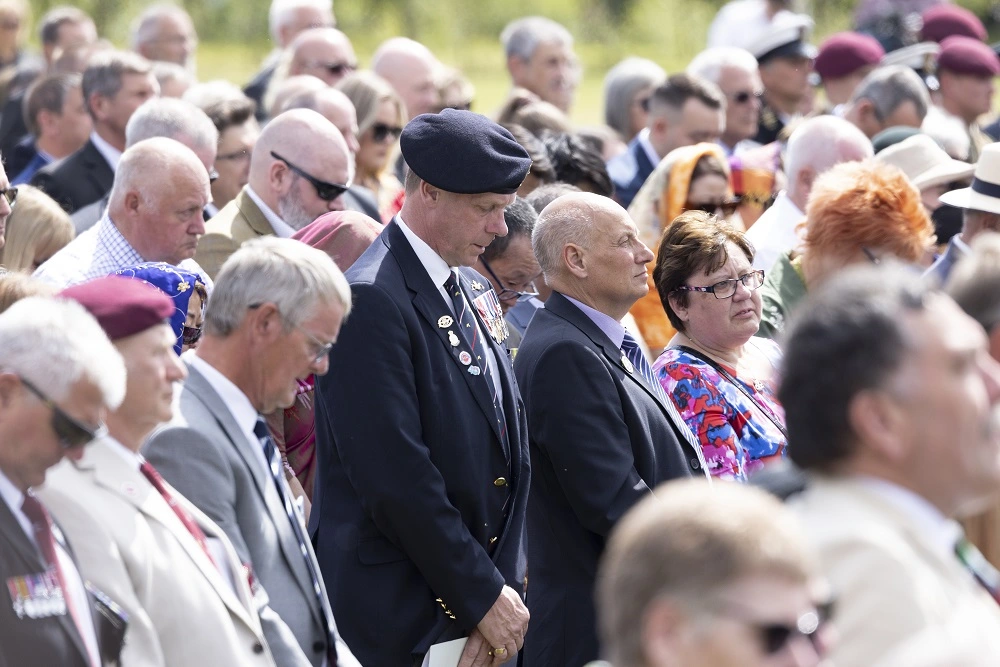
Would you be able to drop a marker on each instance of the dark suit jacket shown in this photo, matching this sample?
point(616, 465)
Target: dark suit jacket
point(22, 155)
point(31, 641)
point(256, 89)
point(361, 199)
point(12, 126)
point(80, 179)
point(418, 505)
point(629, 171)
point(600, 440)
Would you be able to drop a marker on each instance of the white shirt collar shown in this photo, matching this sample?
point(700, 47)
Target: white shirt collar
point(239, 405)
point(133, 459)
point(434, 264)
point(643, 138)
point(211, 209)
point(14, 499)
point(281, 228)
point(940, 529)
point(109, 152)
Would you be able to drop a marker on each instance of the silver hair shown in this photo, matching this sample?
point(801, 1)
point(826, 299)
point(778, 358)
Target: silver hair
point(889, 87)
point(288, 273)
point(820, 143)
point(521, 37)
point(171, 118)
point(105, 70)
point(621, 84)
point(557, 225)
point(147, 25)
point(53, 343)
point(281, 11)
point(709, 63)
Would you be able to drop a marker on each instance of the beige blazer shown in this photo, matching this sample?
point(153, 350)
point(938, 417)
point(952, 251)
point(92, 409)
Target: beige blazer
point(132, 546)
point(236, 222)
point(893, 582)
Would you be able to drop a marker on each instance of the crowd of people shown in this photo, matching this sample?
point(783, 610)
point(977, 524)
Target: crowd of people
point(338, 369)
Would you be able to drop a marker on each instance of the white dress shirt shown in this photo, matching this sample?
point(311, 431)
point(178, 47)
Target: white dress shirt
point(111, 154)
point(943, 532)
point(281, 228)
point(643, 139)
point(76, 592)
point(775, 231)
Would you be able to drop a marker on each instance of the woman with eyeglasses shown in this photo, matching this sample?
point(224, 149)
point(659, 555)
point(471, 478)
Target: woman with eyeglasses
point(716, 371)
point(188, 292)
point(381, 117)
point(858, 212)
point(688, 178)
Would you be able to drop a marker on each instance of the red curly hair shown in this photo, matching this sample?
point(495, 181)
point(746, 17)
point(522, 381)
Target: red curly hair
point(867, 204)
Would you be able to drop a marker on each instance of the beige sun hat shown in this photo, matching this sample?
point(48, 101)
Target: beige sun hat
point(984, 193)
point(924, 162)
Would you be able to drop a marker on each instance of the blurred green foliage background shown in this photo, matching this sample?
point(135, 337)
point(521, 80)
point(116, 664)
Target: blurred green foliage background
point(465, 33)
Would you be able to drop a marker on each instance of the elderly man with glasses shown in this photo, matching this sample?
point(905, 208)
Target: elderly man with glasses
point(284, 192)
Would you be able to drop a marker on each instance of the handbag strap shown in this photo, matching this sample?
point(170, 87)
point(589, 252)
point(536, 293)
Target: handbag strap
point(739, 385)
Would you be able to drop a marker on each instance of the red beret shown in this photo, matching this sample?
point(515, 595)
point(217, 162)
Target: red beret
point(965, 55)
point(122, 306)
point(846, 52)
point(943, 21)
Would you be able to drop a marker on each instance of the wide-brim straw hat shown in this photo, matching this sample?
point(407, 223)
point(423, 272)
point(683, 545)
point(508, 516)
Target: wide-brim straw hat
point(984, 193)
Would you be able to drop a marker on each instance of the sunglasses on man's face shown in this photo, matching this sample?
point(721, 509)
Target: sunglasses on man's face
point(70, 432)
point(325, 191)
point(381, 131)
point(745, 96)
point(335, 69)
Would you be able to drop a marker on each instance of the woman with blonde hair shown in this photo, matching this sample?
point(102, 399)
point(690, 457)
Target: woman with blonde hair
point(381, 117)
point(36, 229)
point(688, 178)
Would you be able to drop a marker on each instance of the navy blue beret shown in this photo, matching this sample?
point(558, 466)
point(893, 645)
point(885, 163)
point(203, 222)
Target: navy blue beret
point(464, 152)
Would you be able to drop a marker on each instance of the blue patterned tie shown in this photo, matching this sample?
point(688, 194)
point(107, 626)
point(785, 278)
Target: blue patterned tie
point(274, 463)
point(632, 351)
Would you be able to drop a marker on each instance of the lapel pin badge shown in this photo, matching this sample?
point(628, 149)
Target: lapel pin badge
point(627, 364)
point(476, 285)
point(453, 339)
point(465, 358)
point(445, 321)
point(474, 370)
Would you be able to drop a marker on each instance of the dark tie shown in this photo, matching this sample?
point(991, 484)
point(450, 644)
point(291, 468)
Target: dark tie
point(185, 517)
point(277, 473)
point(471, 334)
point(976, 563)
point(632, 352)
point(41, 522)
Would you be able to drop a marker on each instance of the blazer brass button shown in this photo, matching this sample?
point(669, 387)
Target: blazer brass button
point(500, 481)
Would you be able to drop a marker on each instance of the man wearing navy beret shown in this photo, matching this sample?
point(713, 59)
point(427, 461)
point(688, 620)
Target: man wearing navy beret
point(419, 515)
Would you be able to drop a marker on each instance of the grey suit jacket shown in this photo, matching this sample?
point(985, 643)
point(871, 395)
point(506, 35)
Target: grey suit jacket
point(205, 455)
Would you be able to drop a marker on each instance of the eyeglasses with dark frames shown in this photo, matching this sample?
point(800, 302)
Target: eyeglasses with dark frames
point(745, 96)
point(774, 637)
point(381, 131)
point(335, 69)
point(505, 293)
point(727, 288)
point(727, 207)
point(325, 191)
point(71, 432)
point(10, 194)
point(872, 257)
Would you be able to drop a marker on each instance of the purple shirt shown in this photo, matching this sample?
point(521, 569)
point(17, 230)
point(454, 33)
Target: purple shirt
point(611, 327)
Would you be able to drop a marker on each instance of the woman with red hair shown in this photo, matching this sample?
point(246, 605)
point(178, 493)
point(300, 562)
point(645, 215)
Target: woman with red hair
point(857, 212)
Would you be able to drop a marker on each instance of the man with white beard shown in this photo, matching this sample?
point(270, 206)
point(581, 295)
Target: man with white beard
point(284, 192)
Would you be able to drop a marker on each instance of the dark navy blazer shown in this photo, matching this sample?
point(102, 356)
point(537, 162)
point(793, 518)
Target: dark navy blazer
point(629, 171)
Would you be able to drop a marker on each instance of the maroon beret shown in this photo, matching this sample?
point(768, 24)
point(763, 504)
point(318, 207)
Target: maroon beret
point(846, 52)
point(965, 55)
point(943, 21)
point(122, 306)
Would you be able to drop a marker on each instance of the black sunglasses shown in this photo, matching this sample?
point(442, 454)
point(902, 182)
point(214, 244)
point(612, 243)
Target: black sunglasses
point(380, 131)
point(775, 636)
point(727, 207)
point(325, 191)
point(336, 69)
point(71, 433)
point(10, 194)
point(191, 335)
point(745, 96)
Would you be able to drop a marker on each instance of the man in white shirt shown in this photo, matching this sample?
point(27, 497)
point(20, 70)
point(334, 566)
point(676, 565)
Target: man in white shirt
point(300, 169)
point(815, 147)
point(273, 317)
point(165, 563)
point(908, 441)
point(154, 215)
point(60, 376)
point(115, 84)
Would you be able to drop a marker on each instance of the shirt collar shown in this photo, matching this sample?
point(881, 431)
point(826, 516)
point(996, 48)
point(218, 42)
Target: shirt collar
point(433, 263)
point(133, 459)
point(941, 530)
point(239, 405)
point(611, 327)
point(643, 139)
point(109, 152)
point(14, 498)
point(281, 228)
